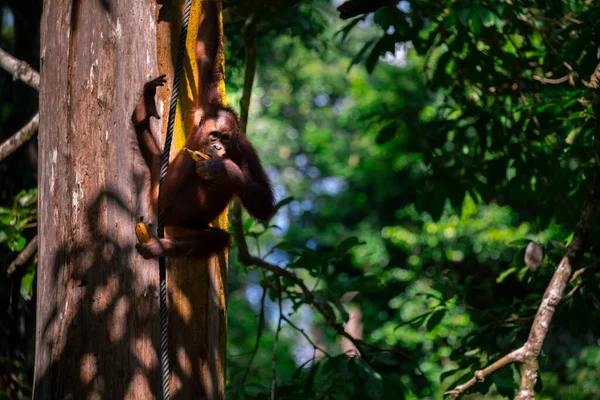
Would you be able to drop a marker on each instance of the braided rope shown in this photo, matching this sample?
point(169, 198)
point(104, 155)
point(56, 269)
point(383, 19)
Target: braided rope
point(162, 265)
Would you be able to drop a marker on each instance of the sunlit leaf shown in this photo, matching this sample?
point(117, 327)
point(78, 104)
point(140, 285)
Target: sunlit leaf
point(17, 243)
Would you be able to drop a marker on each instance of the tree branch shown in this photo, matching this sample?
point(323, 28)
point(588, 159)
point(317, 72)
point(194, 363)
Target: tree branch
point(551, 81)
point(20, 70)
point(261, 321)
point(479, 376)
point(308, 339)
point(276, 341)
point(584, 273)
point(23, 256)
point(248, 259)
point(528, 354)
point(249, 36)
point(20, 138)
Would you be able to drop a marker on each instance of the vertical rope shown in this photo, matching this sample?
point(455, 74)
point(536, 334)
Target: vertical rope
point(162, 265)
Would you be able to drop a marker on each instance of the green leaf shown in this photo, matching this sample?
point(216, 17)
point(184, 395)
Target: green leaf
point(468, 281)
point(374, 55)
point(329, 311)
point(487, 17)
point(569, 238)
point(476, 24)
point(386, 133)
point(505, 274)
point(7, 220)
point(505, 382)
point(374, 385)
point(248, 224)
point(360, 54)
point(519, 242)
point(558, 245)
point(27, 198)
point(364, 284)
point(539, 384)
point(284, 202)
point(17, 243)
point(448, 374)
point(341, 309)
point(504, 378)
point(27, 285)
point(414, 322)
point(440, 76)
point(347, 28)
point(346, 245)
point(289, 248)
point(464, 15)
point(434, 319)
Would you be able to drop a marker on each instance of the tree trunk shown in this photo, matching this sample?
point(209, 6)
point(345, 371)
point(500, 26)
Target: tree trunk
point(97, 312)
point(198, 319)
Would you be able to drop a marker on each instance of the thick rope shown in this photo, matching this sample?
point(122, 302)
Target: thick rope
point(162, 265)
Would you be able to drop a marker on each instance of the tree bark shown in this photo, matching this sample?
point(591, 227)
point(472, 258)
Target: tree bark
point(198, 319)
point(97, 311)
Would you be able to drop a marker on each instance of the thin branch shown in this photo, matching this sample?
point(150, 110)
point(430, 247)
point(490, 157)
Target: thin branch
point(584, 273)
point(573, 20)
point(526, 102)
point(574, 290)
point(261, 322)
point(248, 259)
point(577, 274)
point(551, 81)
point(479, 376)
point(23, 256)
point(568, 66)
point(249, 36)
point(304, 364)
point(301, 331)
point(20, 70)
point(274, 361)
point(20, 138)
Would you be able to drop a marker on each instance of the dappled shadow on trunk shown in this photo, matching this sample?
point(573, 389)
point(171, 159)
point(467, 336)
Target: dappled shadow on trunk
point(104, 334)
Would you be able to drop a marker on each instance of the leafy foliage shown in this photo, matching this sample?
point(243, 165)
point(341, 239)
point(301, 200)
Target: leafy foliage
point(14, 221)
point(444, 169)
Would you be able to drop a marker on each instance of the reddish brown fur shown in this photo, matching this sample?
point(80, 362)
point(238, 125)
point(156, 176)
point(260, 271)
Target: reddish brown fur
point(195, 193)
